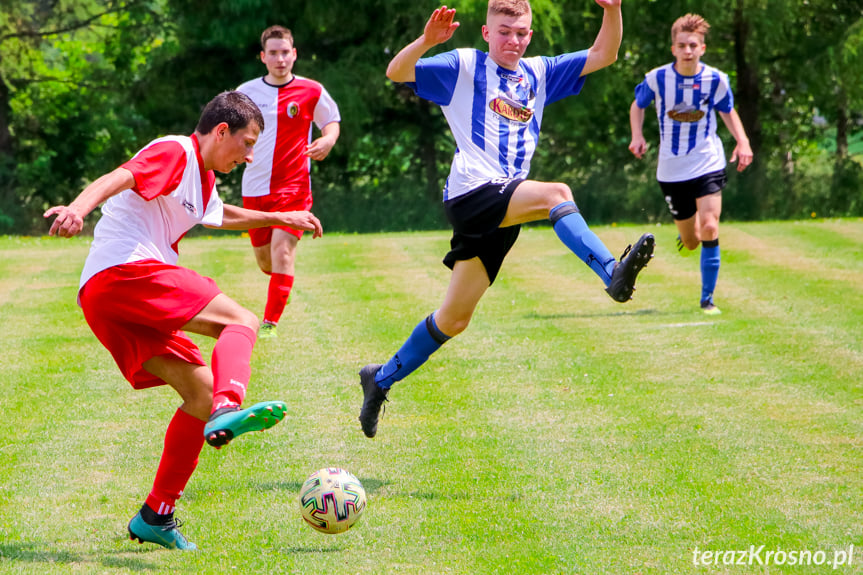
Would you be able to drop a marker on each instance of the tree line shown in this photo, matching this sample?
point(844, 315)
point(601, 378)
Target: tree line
point(85, 83)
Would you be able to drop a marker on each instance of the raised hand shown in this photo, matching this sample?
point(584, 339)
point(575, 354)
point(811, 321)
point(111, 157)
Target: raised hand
point(440, 26)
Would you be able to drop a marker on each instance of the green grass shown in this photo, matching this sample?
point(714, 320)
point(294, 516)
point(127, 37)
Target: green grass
point(561, 433)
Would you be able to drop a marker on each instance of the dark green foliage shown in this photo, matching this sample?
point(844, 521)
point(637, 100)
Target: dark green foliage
point(85, 84)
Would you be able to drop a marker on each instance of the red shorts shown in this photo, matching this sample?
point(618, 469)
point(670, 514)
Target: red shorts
point(137, 311)
point(284, 202)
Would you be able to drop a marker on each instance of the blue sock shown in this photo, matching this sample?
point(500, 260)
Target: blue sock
point(572, 230)
point(709, 268)
point(424, 341)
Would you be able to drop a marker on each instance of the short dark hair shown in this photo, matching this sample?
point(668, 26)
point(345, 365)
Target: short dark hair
point(234, 108)
point(276, 32)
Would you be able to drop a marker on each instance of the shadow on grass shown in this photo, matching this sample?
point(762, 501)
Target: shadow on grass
point(30, 552)
point(36, 553)
point(314, 550)
point(370, 485)
point(638, 312)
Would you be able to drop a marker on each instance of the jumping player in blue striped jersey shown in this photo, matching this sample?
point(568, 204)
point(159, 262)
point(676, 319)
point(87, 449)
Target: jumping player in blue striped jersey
point(493, 102)
point(691, 169)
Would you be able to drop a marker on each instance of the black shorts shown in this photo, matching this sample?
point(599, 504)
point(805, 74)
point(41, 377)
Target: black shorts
point(681, 196)
point(475, 219)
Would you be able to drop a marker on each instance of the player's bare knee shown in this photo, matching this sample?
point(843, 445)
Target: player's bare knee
point(709, 230)
point(452, 326)
point(242, 316)
point(560, 193)
point(248, 319)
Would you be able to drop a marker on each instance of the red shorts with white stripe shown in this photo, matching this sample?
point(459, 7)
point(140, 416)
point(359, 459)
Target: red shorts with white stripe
point(137, 311)
point(282, 202)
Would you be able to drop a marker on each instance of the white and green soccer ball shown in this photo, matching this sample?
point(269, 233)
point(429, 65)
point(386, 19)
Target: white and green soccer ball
point(332, 500)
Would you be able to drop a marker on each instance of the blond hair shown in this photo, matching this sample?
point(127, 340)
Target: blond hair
point(690, 23)
point(514, 8)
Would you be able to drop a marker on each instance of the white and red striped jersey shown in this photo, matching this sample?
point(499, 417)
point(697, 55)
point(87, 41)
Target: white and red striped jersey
point(280, 163)
point(172, 193)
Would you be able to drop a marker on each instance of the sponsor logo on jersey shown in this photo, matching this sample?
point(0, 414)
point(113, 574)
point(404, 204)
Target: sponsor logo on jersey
point(685, 113)
point(190, 207)
point(509, 111)
point(293, 109)
point(516, 103)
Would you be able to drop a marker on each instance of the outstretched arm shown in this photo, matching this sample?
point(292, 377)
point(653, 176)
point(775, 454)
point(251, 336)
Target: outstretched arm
point(237, 218)
point(636, 123)
point(607, 43)
point(70, 219)
point(742, 153)
point(439, 28)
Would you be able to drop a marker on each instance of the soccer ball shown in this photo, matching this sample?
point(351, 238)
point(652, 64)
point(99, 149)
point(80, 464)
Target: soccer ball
point(332, 500)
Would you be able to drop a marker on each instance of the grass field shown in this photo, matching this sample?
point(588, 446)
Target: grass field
point(561, 433)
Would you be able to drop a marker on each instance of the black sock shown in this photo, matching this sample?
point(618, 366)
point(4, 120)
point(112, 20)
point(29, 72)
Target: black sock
point(150, 517)
point(222, 411)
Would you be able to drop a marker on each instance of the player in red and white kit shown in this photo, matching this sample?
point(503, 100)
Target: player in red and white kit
point(279, 179)
point(138, 302)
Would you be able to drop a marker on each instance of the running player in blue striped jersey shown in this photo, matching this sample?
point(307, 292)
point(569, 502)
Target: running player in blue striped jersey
point(691, 169)
point(493, 102)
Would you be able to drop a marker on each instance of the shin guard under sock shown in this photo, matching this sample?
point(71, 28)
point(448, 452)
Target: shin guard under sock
point(710, 260)
point(184, 440)
point(424, 341)
point(231, 365)
point(573, 231)
point(278, 292)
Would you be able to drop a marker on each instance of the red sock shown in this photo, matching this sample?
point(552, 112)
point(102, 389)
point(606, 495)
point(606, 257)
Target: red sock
point(183, 442)
point(231, 365)
point(277, 296)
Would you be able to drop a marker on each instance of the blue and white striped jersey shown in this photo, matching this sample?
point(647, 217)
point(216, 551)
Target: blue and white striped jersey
point(686, 109)
point(494, 113)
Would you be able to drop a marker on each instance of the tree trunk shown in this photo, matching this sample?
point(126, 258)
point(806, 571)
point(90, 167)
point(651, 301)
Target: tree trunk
point(748, 91)
point(748, 200)
point(5, 135)
point(841, 124)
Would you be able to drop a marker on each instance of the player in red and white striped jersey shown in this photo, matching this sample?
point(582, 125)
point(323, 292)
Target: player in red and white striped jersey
point(279, 179)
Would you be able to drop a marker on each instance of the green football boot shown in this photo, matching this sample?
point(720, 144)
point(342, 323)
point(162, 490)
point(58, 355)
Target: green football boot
point(682, 249)
point(227, 423)
point(709, 308)
point(167, 535)
point(267, 330)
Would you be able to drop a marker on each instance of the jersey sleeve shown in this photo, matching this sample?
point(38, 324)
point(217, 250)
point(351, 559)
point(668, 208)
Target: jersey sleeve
point(563, 75)
point(644, 94)
point(214, 211)
point(723, 99)
point(436, 77)
point(326, 110)
point(158, 169)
